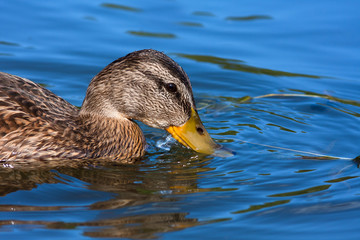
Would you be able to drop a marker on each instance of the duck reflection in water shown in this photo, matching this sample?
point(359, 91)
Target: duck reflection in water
point(135, 186)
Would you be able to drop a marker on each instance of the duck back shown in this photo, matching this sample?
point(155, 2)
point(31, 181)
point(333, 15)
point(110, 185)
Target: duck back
point(31, 118)
point(35, 124)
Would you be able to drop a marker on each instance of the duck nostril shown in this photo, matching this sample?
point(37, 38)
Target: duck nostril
point(200, 130)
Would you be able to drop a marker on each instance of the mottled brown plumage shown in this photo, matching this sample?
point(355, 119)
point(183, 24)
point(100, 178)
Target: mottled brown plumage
point(146, 85)
point(35, 124)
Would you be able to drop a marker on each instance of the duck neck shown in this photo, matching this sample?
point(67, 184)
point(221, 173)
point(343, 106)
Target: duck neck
point(113, 137)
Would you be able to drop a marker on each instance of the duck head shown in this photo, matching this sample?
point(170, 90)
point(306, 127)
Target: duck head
point(150, 87)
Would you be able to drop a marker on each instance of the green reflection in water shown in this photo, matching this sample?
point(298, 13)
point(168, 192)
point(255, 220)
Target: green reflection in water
point(203, 13)
point(248, 125)
point(238, 65)
point(230, 132)
point(249, 18)
point(191, 24)
point(44, 85)
point(9, 43)
point(237, 171)
point(217, 128)
point(217, 220)
point(341, 179)
point(262, 206)
point(280, 127)
point(305, 170)
point(120, 7)
point(302, 192)
point(245, 99)
point(151, 34)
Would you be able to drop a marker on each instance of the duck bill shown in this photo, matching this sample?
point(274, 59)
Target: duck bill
point(193, 134)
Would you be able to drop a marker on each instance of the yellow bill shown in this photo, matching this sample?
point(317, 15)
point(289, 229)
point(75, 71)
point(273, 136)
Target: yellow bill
point(193, 134)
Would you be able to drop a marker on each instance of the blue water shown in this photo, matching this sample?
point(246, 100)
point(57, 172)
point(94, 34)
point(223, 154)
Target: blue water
point(230, 49)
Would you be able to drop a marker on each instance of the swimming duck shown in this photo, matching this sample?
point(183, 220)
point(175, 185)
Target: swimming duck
point(145, 85)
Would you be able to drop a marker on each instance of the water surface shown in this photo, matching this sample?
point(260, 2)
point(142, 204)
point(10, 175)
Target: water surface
point(233, 52)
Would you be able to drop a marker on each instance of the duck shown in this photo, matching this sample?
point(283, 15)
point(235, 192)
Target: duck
point(145, 85)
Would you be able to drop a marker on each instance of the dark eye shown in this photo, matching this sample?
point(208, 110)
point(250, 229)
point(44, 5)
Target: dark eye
point(171, 87)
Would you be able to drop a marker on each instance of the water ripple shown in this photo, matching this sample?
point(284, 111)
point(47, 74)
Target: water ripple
point(238, 65)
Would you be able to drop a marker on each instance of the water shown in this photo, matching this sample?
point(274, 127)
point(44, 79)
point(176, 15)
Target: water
point(230, 49)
